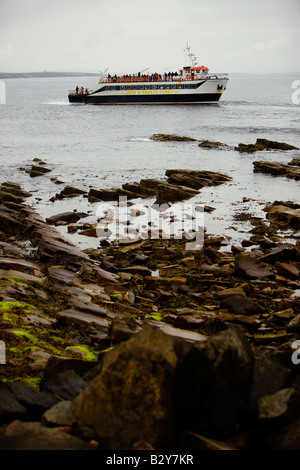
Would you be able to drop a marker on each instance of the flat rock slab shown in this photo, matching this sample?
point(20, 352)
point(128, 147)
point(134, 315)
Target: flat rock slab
point(19, 264)
point(70, 191)
point(224, 293)
point(53, 247)
point(11, 274)
point(285, 215)
point(105, 277)
point(11, 248)
point(14, 188)
point(112, 194)
point(36, 170)
point(59, 274)
point(209, 178)
point(264, 144)
point(138, 269)
point(65, 385)
point(59, 415)
point(7, 196)
point(138, 190)
point(180, 185)
point(35, 436)
point(211, 144)
point(281, 253)
point(171, 138)
point(82, 317)
point(9, 223)
point(240, 305)
point(277, 169)
point(287, 269)
point(166, 192)
point(69, 217)
point(89, 308)
point(295, 161)
point(249, 267)
point(189, 336)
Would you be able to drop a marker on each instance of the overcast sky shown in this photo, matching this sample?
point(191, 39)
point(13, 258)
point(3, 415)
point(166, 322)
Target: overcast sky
point(128, 36)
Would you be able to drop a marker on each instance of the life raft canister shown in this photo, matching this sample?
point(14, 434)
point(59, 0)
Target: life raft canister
point(195, 77)
point(188, 77)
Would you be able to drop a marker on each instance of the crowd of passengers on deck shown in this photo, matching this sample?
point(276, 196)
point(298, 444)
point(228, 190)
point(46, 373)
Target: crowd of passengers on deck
point(155, 77)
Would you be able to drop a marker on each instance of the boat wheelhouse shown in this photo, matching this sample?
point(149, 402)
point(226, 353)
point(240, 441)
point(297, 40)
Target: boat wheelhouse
point(191, 85)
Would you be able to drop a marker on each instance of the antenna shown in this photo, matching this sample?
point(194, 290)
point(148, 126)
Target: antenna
point(192, 57)
point(102, 73)
point(142, 71)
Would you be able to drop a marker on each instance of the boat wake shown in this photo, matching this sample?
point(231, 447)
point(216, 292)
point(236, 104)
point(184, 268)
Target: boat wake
point(57, 103)
point(139, 139)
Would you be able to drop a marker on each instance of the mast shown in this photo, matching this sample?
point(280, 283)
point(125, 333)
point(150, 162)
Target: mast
point(191, 56)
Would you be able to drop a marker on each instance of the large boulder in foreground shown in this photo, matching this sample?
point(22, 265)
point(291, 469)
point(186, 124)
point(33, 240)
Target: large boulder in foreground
point(154, 386)
point(213, 385)
point(130, 400)
point(35, 436)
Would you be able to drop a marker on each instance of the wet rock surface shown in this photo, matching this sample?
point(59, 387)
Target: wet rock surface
point(211, 144)
point(284, 214)
point(179, 185)
point(171, 137)
point(277, 169)
point(264, 144)
point(144, 343)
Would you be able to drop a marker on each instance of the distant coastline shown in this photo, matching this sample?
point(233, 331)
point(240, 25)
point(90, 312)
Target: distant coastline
point(45, 74)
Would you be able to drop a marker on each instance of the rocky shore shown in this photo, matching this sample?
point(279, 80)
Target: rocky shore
point(142, 344)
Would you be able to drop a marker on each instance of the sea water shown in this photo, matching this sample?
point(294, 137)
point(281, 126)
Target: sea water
point(105, 146)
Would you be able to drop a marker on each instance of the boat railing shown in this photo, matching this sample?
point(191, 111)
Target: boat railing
point(132, 78)
point(80, 91)
point(154, 78)
point(217, 76)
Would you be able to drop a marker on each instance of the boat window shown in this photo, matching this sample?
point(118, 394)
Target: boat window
point(154, 87)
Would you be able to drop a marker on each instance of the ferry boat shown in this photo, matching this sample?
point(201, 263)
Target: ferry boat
point(193, 84)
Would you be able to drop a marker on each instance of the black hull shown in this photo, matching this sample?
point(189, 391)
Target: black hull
point(76, 98)
point(191, 98)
